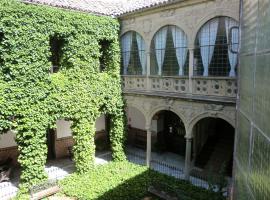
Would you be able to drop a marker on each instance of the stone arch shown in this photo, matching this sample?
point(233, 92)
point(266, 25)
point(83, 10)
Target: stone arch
point(204, 20)
point(166, 108)
point(139, 114)
point(139, 108)
point(140, 53)
point(198, 117)
point(162, 24)
point(169, 50)
point(132, 30)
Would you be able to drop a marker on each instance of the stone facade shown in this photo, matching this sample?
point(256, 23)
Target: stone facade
point(190, 112)
point(188, 16)
point(192, 98)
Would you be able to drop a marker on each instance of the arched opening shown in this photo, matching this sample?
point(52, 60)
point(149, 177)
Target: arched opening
point(136, 128)
point(102, 136)
point(213, 146)
point(170, 133)
point(51, 139)
point(169, 53)
point(168, 143)
point(133, 54)
point(216, 48)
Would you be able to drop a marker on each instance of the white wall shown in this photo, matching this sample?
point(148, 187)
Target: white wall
point(135, 118)
point(7, 140)
point(100, 123)
point(63, 128)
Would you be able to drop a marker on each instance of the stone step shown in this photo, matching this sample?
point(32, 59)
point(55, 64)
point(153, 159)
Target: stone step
point(7, 190)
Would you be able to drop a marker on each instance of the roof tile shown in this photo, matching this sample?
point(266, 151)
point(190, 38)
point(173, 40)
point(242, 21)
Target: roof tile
point(104, 7)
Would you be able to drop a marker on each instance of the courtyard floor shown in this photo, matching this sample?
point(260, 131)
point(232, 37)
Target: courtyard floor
point(167, 163)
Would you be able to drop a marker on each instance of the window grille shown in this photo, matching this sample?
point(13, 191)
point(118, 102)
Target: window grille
point(169, 53)
point(216, 52)
point(133, 60)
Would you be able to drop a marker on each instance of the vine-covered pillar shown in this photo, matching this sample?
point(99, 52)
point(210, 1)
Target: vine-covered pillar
point(31, 140)
point(117, 137)
point(84, 149)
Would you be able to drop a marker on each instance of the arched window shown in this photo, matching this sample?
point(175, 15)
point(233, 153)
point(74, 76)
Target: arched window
point(133, 54)
point(216, 52)
point(169, 53)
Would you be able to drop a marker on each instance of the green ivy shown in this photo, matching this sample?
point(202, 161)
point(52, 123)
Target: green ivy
point(125, 180)
point(32, 99)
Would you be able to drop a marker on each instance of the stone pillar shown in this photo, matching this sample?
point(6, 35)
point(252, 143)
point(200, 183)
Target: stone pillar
point(188, 157)
point(148, 147)
point(190, 67)
point(148, 58)
point(194, 155)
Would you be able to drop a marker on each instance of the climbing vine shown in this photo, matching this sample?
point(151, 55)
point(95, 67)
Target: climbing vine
point(32, 98)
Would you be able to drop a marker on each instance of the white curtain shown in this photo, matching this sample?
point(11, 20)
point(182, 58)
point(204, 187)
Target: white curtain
point(180, 44)
point(126, 42)
point(141, 48)
point(233, 56)
point(160, 46)
point(207, 40)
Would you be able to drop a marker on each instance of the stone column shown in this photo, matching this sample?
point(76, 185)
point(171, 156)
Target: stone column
point(148, 58)
point(190, 67)
point(188, 157)
point(148, 147)
point(194, 152)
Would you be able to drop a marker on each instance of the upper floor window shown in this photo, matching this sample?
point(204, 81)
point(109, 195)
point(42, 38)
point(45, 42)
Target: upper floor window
point(216, 52)
point(133, 54)
point(103, 58)
point(56, 45)
point(169, 53)
point(1, 41)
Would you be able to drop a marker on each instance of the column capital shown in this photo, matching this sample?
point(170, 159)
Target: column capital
point(188, 138)
point(191, 48)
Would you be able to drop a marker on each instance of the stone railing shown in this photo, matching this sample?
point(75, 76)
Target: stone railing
point(214, 86)
point(134, 82)
point(195, 87)
point(169, 84)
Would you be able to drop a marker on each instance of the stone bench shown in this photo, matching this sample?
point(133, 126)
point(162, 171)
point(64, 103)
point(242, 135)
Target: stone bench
point(165, 192)
point(43, 190)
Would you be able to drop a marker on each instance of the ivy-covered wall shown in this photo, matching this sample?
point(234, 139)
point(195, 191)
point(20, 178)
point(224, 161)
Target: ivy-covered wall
point(32, 98)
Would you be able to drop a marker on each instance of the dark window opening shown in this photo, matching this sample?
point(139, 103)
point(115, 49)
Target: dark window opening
point(56, 44)
point(103, 58)
point(1, 41)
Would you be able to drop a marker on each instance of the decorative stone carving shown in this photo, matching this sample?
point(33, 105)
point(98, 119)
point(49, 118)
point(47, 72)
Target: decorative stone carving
point(128, 22)
point(169, 103)
point(167, 13)
point(214, 107)
point(147, 26)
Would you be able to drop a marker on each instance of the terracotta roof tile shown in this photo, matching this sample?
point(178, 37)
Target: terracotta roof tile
point(104, 7)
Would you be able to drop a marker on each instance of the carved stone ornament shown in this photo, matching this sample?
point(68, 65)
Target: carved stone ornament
point(129, 21)
point(167, 13)
point(147, 26)
point(214, 107)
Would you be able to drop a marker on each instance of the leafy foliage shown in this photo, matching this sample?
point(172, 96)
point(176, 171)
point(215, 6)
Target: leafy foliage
point(124, 180)
point(32, 98)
